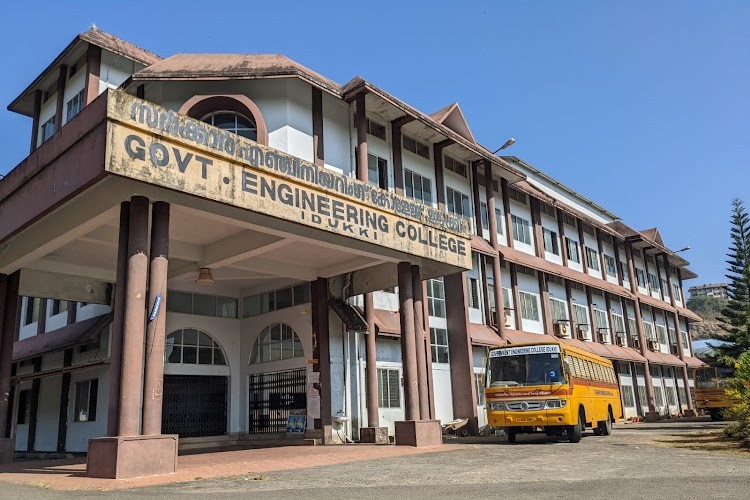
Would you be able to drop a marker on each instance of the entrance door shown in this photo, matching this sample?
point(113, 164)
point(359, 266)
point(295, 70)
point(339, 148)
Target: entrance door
point(194, 406)
point(271, 398)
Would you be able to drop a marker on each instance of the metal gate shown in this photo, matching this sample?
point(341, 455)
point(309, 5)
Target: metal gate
point(272, 396)
point(194, 405)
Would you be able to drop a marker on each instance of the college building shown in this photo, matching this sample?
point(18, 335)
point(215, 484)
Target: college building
point(205, 248)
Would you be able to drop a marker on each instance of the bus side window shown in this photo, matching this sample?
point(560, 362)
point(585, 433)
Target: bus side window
point(577, 367)
point(613, 376)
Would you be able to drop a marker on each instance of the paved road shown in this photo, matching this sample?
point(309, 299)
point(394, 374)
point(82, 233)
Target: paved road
point(632, 463)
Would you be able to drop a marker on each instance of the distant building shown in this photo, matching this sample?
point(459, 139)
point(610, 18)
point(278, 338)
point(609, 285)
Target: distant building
point(719, 290)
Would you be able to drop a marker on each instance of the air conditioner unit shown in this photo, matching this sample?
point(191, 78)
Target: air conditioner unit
point(582, 332)
point(493, 317)
point(674, 349)
point(621, 339)
point(602, 335)
point(561, 329)
point(653, 344)
point(636, 342)
point(508, 323)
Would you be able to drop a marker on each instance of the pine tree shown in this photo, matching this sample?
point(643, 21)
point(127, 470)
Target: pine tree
point(735, 317)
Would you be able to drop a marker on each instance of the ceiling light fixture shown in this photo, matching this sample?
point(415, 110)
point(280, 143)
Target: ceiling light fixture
point(205, 278)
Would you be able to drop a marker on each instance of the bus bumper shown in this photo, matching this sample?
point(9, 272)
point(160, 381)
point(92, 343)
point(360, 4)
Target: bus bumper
point(539, 418)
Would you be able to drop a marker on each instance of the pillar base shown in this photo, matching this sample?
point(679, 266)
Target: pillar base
point(124, 457)
point(374, 435)
point(652, 416)
point(6, 450)
point(689, 413)
point(419, 433)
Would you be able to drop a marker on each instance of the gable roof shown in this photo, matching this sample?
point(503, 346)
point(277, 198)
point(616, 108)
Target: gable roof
point(452, 117)
point(653, 235)
point(232, 66)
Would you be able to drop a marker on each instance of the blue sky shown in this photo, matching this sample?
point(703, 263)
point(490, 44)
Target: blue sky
point(641, 106)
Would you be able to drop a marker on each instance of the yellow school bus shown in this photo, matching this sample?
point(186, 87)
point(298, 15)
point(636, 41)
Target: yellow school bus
point(555, 387)
point(710, 391)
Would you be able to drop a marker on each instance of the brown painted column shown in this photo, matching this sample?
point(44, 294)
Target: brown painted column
point(610, 317)
point(134, 320)
point(571, 312)
point(360, 121)
point(9, 293)
point(546, 304)
point(536, 220)
point(62, 417)
point(93, 69)
point(678, 330)
point(602, 260)
point(440, 173)
point(477, 202)
point(561, 231)
point(639, 325)
point(463, 388)
point(506, 209)
point(582, 246)
point(371, 367)
point(153, 386)
point(322, 353)
point(516, 296)
point(658, 277)
point(317, 126)
point(41, 324)
point(419, 336)
point(61, 79)
point(485, 289)
point(397, 153)
point(594, 325)
point(115, 367)
point(496, 269)
point(34, 410)
point(35, 121)
point(620, 277)
point(625, 315)
point(408, 347)
point(428, 352)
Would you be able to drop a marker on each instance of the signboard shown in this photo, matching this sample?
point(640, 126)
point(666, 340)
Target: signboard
point(521, 351)
point(296, 422)
point(152, 144)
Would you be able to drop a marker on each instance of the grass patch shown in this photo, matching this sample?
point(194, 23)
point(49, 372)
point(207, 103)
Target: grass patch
point(710, 441)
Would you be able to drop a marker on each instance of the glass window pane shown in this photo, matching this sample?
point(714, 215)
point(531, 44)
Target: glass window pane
point(204, 339)
point(176, 337)
point(190, 337)
point(219, 357)
point(302, 294)
point(174, 354)
point(204, 355)
point(283, 298)
point(226, 307)
point(204, 305)
point(189, 355)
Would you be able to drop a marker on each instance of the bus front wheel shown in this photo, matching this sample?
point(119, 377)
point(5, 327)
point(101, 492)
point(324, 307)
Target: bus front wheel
point(575, 431)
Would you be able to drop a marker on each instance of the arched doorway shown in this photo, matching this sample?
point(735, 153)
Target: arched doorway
point(274, 394)
point(196, 385)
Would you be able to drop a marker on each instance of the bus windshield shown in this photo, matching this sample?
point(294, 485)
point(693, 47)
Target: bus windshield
point(519, 366)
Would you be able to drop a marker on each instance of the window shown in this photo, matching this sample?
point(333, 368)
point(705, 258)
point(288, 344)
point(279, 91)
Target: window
point(573, 253)
point(436, 298)
point(485, 215)
point(193, 347)
point(48, 129)
point(231, 121)
point(202, 305)
point(676, 291)
point(439, 345)
point(659, 396)
point(592, 258)
point(473, 292)
point(649, 330)
point(275, 300)
point(642, 396)
point(418, 187)
point(458, 203)
point(654, 282)
point(455, 166)
point(529, 303)
point(377, 171)
point(664, 287)
point(684, 339)
point(389, 388)
point(59, 306)
point(640, 275)
point(602, 325)
point(32, 310)
point(623, 271)
point(569, 220)
point(662, 334)
point(75, 105)
point(559, 310)
point(375, 129)
point(550, 242)
point(581, 316)
point(500, 220)
point(416, 147)
point(276, 342)
point(611, 266)
point(521, 230)
point(478, 381)
point(588, 229)
point(515, 194)
point(628, 398)
point(24, 407)
point(547, 209)
point(619, 325)
point(85, 402)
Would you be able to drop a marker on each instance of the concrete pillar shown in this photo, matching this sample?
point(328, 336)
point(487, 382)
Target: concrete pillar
point(322, 353)
point(34, 410)
point(317, 127)
point(428, 352)
point(61, 80)
point(93, 69)
point(408, 347)
point(115, 367)
point(62, 416)
point(463, 387)
point(516, 296)
point(419, 337)
point(397, 152)
point(35, 120)
point(440, 174)
point(360, 119)
point(373, 416)
point(477, 202)
point(134, 319)
point(156, 330)
point(496, 269)
point(506, 210)
point(8, 314)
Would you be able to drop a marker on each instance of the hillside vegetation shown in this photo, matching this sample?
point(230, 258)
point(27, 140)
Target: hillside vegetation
point(708, 308)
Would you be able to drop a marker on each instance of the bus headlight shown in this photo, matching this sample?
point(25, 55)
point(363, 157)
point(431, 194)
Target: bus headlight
point(555, 403)
point(498, 407)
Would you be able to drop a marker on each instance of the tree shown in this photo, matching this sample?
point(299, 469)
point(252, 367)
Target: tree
point(739, 392)
point(735, 317)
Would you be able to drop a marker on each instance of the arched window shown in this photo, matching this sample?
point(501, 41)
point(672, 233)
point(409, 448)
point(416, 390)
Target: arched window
point(193, 347)
point(276, 342)
point(234, 122)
